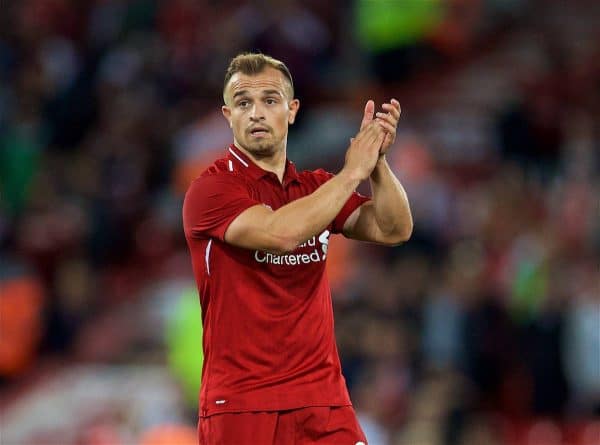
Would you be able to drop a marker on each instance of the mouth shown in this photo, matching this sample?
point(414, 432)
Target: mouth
point(259, 132)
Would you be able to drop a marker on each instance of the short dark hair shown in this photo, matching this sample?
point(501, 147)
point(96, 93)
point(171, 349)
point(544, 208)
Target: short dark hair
point(255, 63)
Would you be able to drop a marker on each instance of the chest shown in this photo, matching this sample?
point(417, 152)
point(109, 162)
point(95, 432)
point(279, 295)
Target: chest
point(274, 194)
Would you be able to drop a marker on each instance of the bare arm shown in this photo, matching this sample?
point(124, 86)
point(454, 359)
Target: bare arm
point(386, 219)
point(284, 229)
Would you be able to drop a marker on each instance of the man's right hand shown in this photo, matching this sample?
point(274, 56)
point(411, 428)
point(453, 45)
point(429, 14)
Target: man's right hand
point(363, 152)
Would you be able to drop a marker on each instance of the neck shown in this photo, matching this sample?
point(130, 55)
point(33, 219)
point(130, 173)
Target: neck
point(274, 163)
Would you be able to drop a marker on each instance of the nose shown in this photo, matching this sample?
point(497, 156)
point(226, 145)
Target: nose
point(257, 113)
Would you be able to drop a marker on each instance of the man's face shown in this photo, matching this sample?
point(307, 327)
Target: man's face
point(259, 111)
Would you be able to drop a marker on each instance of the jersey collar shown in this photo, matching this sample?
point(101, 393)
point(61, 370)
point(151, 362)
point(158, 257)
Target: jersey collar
point(245, 164)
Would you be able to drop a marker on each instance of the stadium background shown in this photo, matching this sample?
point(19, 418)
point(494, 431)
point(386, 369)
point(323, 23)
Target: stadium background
point(483, 329)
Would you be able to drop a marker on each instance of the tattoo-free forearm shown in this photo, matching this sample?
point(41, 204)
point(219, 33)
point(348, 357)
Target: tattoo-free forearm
point(392, 209)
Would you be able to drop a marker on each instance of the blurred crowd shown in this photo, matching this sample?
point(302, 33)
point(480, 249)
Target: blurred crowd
point(483, 328)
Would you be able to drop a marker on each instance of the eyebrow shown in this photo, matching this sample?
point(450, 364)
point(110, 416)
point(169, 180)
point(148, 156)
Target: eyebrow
point(265, 92)
point(269, 92)
point(239, 93)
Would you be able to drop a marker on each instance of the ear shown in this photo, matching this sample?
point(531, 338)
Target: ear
point(294, 106)
point(227, 113)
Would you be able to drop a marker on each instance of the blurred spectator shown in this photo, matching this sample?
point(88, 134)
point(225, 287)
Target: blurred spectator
point(21, 310)
point(393, 34)
point(170, 434)
point(581, 338)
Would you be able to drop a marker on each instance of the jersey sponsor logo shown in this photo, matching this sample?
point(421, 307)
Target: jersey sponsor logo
point(313, 250)
point(324, 240)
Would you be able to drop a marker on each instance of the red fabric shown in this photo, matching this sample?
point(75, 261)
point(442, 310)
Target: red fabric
point(268, 322)
point(314, 425)
point(21, 312)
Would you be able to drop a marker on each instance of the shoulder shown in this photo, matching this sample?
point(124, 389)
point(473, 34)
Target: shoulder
point(217, 179)
point(219, 167)
point(219, 172)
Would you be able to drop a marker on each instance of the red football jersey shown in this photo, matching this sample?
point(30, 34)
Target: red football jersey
point(268, 321)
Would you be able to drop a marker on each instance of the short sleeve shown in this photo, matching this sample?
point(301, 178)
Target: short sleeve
point(354, 202)
point(212, 202)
